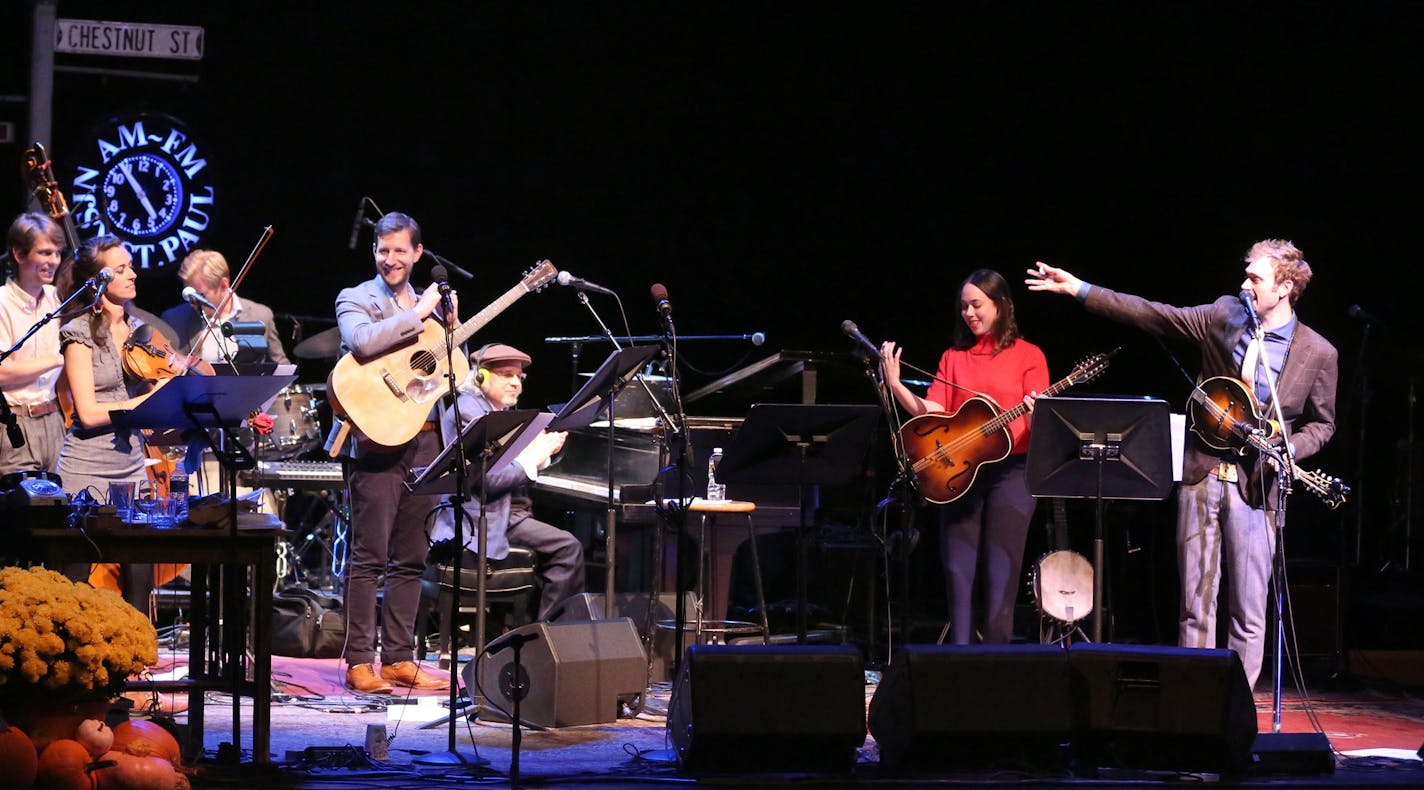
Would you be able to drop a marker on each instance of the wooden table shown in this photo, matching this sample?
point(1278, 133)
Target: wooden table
point(221, 616)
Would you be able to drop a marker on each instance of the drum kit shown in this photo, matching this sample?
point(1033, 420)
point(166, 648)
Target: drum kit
point(318, 516)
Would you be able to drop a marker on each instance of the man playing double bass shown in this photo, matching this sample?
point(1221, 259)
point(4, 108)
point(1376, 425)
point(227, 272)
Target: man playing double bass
point(1226, 504)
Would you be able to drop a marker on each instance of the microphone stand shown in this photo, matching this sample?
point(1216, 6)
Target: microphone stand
point(677, 436)
point(452, 754)
point(7, 415)
point(904, 483)
point(1285, 478)
point(610, 522)
point(448, 264)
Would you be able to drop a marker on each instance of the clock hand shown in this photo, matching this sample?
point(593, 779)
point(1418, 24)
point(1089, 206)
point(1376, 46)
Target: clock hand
point(138, 190)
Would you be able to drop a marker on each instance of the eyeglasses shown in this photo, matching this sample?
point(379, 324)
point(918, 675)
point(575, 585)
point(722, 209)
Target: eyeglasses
point(507, 374)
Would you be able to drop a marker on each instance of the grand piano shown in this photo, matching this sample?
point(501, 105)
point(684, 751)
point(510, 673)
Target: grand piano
point(574, 491)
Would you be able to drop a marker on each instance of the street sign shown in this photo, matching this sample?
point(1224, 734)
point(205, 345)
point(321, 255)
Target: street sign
point(128, 39)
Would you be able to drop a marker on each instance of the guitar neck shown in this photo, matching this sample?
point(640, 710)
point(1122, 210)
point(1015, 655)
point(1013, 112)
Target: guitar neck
point(1020, 410)
point(477, 322)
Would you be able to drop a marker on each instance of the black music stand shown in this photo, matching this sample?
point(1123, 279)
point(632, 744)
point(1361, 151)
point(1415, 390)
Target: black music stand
point(491, 438)
point(1100, 448)
point(613, 375)
point(801, 445)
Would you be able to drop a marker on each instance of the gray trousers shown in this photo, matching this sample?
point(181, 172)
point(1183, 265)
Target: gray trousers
point(558, 560)
point(1217, 531)
point(43, 438)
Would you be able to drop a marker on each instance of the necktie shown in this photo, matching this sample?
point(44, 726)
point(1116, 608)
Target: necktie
point(1248, 364)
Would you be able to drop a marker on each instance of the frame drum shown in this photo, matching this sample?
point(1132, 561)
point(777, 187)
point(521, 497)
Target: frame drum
point(1063, 586)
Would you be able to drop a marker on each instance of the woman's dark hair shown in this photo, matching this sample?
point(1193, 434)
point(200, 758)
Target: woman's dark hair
point(86, 266)
point(1006, 328)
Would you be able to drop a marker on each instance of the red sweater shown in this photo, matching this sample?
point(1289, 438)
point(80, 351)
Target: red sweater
point(1005, 377)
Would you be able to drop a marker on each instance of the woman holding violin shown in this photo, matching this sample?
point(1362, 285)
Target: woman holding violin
point(95, 346)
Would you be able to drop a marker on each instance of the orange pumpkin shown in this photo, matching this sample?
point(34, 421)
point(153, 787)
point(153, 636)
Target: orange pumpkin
point(17, 754)
point(62, 767)
point(143, 738)
point(131, 772)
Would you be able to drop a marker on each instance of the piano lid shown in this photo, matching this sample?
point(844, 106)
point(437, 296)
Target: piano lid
point(756, 382)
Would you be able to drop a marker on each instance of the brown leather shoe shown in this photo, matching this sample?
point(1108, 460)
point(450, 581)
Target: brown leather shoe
point(409, 674)
point(362, 678)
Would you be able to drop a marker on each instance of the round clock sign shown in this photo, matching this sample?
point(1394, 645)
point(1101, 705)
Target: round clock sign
point(145, 179)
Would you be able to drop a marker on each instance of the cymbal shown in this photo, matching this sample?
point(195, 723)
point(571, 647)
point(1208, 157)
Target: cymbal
point(325, 344)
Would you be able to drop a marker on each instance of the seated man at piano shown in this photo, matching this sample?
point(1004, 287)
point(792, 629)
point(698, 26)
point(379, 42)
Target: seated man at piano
point(495, 383)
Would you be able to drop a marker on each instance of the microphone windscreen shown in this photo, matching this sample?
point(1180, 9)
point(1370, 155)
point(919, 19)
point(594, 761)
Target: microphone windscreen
point(438, 273)
point(659, 292)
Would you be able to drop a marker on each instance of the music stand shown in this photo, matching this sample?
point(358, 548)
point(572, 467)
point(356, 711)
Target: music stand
point(801, 445)
point(490, 438)
point(218, 403)
point(602, 387)
point(1100, 448)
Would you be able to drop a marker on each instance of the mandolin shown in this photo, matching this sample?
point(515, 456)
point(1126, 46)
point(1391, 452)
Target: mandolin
point(947, 450)
point(1226, 416)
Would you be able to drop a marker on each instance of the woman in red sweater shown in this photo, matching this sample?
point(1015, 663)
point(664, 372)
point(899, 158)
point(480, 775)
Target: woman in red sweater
point(982, 533)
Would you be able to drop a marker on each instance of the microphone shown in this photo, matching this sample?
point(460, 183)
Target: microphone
point(100, 284)
point(356, 223)
point(1360, 314)
point(853, 332)
point(758, 338)
point(197, 300)
point(1250, 303)
point(660, 299)
point(565, 278)
point(441, 277)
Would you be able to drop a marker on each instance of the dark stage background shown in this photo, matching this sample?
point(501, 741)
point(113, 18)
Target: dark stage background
point(781, 167)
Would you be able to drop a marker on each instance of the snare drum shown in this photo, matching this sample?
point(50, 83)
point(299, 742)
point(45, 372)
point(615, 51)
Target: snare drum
point(295, 424)
point(1063, 586)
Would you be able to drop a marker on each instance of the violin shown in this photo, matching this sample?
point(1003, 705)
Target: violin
point(154, 359)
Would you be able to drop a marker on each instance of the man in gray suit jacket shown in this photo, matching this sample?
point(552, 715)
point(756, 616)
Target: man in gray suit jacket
point(1226, 503)
point(207, 273)
point(495, 383)
point(388, 539)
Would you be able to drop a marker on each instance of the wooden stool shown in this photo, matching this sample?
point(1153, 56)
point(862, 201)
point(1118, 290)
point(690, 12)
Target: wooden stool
point(708, 512)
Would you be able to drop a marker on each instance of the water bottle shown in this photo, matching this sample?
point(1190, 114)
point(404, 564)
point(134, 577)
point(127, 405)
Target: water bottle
point(178, 492)
point(716, 492)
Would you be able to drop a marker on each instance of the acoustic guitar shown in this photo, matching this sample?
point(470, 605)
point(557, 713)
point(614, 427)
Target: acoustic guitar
point(389, 396)
point(947, 450)
point(1226, 415)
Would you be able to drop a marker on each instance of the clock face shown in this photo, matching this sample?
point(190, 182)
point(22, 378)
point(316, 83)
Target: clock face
point(141, 195)
point(145, 179)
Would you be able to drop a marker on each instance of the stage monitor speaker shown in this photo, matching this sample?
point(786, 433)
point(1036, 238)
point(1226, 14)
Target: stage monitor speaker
point(1161, 708)
point(589, 606)
point(768, 708)
point(974, 706)
point(570, 673)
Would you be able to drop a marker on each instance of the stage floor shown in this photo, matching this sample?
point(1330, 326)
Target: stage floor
point(319, 735)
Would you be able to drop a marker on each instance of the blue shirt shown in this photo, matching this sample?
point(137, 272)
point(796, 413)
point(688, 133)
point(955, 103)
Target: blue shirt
point(1277, 342)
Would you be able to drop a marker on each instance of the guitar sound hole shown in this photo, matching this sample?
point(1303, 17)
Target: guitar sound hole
point(423, 362)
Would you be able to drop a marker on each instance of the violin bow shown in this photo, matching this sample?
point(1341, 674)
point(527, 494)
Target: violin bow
point(262, 240)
